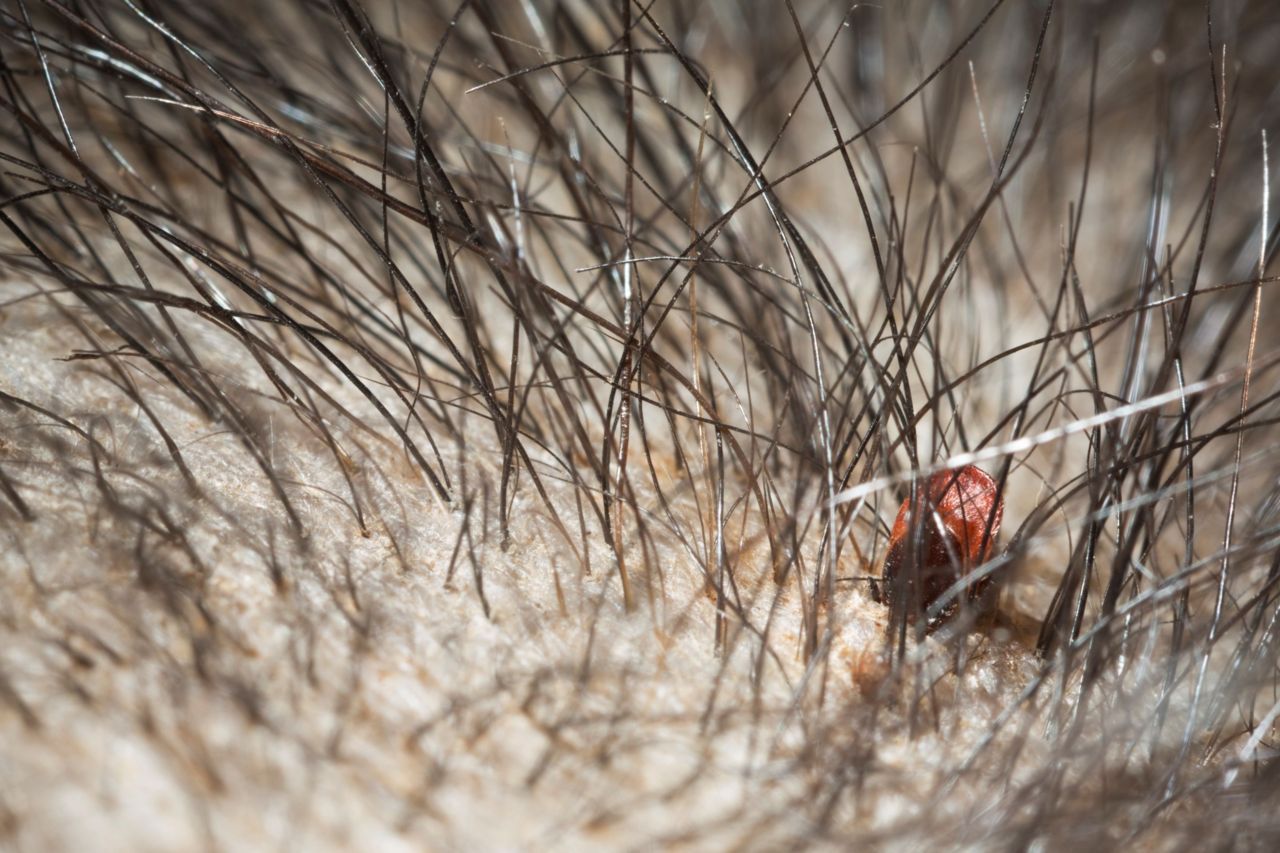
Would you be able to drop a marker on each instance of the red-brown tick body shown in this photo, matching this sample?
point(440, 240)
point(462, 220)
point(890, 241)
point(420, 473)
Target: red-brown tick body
point(963, 509)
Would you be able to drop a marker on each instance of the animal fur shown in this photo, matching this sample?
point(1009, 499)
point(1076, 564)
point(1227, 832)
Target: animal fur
point(476, 425)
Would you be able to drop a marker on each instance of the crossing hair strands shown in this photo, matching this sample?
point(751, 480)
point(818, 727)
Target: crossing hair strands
point(472, 424)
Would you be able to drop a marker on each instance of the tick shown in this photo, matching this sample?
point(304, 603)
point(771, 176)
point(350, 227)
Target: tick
point(962, 510)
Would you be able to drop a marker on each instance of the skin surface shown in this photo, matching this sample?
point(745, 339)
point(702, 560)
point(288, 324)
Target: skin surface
point(479, 425)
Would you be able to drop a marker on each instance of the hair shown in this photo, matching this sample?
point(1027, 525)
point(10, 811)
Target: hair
point(479, 424)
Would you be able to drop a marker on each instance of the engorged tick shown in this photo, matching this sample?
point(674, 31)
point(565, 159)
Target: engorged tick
point(963, 509)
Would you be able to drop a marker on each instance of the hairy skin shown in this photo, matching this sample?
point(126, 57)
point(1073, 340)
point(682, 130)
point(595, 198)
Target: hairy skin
point(477, 425)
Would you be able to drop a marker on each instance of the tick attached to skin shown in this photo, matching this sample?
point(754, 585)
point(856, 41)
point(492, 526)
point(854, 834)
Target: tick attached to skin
point(962, 513)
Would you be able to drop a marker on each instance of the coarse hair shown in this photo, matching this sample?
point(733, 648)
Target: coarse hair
point(481, 424)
